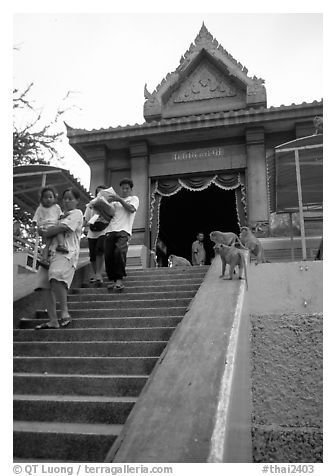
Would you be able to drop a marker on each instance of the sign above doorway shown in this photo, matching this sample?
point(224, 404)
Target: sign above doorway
point(179, 162)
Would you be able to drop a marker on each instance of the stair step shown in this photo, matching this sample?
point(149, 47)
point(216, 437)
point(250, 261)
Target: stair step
point(94, 334)
point(140, 289)
point(111, 296)
point(85, 365)
point(105, 322)
point(64, 441)
point(130, 304)
point(63, 384)
point(76, 409)
point(89, 349)
point(167, 270)
point(127, 312)
point(161, 278)
point(41, 460)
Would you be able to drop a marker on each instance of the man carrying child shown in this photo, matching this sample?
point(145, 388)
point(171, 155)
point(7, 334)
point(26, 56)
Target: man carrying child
point(118, 233)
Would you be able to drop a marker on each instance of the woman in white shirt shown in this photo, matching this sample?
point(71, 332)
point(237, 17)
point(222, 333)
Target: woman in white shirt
point(57, 279)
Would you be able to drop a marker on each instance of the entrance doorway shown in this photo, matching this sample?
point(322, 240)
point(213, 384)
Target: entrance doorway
point(186, 213)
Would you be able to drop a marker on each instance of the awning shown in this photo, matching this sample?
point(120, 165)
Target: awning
point(282, 180)
point(29, 179)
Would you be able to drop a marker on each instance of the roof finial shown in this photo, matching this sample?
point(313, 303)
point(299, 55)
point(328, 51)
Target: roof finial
point(203, 35)
point(147, 94)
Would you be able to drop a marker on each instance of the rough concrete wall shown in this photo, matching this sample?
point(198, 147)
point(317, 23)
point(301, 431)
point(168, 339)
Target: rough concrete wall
point(287, 387)
point(286, 287)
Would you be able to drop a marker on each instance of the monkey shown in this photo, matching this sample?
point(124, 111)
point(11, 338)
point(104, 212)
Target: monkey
point(227, 238)
point(251, 242)
point(318, 124)
point(233, 257)
point(177, 261)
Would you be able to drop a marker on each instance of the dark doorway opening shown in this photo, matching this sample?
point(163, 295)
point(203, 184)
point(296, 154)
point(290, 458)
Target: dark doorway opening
point(186, 213)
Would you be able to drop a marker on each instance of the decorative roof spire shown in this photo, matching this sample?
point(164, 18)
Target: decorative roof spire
point(203, 34)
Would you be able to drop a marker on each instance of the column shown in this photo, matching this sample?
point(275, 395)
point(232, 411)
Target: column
point(139, 174)
point(96, 159)
point(257, 198)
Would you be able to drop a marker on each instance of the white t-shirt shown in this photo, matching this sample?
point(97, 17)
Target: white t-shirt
point(72, 238)
point(47, 216)
point(123, 220)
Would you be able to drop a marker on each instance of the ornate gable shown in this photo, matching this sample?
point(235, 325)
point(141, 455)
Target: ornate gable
point(208, 79)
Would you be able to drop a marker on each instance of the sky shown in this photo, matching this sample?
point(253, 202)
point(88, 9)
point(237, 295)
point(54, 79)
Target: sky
point(105, 59)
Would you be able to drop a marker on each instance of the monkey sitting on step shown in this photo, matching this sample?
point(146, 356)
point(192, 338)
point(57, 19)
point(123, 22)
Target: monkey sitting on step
point(227, 238)
point(233, 257)
point(177, 261)
point(251, 242)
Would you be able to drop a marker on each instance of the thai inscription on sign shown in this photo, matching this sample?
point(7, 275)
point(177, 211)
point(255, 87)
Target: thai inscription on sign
point(214, 152)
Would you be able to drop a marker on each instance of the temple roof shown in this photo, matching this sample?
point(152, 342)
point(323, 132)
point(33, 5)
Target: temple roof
point(208, 79)
point(231, 116)
point(208, 90)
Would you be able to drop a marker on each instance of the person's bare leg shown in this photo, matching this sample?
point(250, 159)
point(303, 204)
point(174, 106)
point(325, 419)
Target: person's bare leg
point(50, 300)
point(45, 251)
point(60, 290)
point(61, 246)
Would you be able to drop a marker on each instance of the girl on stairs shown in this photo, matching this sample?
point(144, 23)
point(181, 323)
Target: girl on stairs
point(57, 279)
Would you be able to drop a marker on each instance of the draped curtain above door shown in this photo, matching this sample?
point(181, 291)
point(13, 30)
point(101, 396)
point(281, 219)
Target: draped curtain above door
point(168, 187)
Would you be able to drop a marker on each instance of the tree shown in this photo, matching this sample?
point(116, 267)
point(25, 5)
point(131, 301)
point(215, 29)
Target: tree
point(35, 140)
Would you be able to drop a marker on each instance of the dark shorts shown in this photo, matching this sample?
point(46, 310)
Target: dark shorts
point(96, 247)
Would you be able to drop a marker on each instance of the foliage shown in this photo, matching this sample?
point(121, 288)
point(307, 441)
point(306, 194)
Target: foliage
point(280, 224)
point(35, 140)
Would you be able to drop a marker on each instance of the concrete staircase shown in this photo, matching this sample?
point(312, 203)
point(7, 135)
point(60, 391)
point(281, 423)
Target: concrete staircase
point(74, 387)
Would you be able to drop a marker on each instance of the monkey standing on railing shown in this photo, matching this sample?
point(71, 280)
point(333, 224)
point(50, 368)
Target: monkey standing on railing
point(233, 257)
point(227, 238)
point(251, 242)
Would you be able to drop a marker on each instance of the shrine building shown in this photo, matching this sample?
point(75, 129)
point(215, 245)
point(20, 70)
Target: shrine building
point(199, 161)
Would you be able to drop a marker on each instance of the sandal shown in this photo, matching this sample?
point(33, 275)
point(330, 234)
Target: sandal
point(62, 249)
point(92, 280)
point(119, 287)
point(99, 281)
point(65, 321)
point(43, 263)
point(46, 325)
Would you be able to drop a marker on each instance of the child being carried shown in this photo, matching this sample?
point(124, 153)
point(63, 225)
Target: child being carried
point(48, 214)
point(104, 209)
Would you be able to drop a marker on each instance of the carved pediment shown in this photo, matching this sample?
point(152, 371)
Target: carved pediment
point(208, 79)
point(204, 83)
